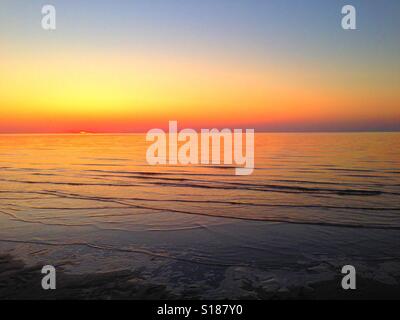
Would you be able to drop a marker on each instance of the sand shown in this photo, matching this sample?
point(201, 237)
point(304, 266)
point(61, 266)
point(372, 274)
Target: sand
point(18, 281)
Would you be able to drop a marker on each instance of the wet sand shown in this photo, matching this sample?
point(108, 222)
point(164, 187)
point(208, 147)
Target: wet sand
point(18, 281)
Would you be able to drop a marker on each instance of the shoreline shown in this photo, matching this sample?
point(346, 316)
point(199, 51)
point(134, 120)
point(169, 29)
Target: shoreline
point(20, 282)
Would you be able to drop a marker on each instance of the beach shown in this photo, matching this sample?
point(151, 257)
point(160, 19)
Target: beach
point(21, 282)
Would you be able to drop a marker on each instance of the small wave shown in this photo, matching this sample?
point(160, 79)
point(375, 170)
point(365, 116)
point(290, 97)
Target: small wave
point(126, 250)
point(99, 164)
point(70, 183)
point(106, 159)
point(247, 218)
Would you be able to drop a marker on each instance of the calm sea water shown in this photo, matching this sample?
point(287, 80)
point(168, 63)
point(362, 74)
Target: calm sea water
point(315, 202)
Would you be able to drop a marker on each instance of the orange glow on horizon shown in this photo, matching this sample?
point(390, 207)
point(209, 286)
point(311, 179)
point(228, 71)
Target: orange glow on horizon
point(75, 91)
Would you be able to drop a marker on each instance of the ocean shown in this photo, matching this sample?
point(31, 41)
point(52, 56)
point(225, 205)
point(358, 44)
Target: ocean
point(91, 204)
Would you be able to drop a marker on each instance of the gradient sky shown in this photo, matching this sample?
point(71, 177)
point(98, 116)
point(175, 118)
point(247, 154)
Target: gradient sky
point(128, 66)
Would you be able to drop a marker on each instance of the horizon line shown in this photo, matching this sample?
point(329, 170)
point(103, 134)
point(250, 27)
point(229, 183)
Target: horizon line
point(257, 131)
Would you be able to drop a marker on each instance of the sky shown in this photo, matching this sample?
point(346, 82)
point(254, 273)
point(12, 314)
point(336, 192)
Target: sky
point(129, 66)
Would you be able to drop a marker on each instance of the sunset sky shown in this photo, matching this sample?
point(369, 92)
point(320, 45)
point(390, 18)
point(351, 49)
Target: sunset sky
point(128, 66)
